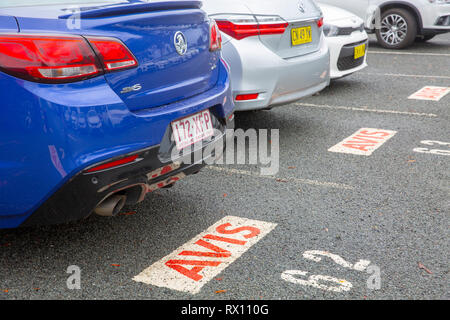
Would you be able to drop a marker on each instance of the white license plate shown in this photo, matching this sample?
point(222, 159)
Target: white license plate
point(192, 129)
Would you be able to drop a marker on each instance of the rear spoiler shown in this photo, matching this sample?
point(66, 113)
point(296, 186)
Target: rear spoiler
point(135, 7)
point(8, 24)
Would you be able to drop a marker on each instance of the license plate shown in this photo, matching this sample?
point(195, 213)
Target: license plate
point(360, 51)
point(301, 35)
point(192, 129)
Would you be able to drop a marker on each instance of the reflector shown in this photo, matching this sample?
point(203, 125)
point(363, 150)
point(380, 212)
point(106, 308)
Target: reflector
point(113, 164)
point(243, 97)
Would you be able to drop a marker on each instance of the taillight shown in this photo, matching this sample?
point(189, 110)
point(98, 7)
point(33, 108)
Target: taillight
point(215, 37)
point(243, 26)
point(61, 59)
point(238, 31)
point(47, 58)
point(113, 54)
point(271, 25)
point(320, 22)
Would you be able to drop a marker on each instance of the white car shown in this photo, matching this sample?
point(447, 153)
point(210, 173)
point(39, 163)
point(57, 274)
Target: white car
point(277, 53)
point(347, 40)
point(398, 23)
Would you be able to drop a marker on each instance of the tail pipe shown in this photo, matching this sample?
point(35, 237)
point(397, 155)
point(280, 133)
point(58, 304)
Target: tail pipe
point(112, 206)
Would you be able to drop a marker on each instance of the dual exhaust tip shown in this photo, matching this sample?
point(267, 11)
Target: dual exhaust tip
point(111, 206)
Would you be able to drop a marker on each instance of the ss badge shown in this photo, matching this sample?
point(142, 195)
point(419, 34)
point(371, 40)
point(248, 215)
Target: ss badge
point(136, 87)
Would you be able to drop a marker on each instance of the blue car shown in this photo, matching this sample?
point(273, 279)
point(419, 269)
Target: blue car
point(96, 95)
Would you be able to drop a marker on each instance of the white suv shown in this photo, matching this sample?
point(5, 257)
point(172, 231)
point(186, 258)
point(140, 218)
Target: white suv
point(398, 23)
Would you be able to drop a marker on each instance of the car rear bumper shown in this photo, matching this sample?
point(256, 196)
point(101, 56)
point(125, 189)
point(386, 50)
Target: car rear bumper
point(78, 198)
point(277, 81)
point(50, 134)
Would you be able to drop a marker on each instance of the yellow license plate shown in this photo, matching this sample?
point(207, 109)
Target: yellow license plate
point(301, 35)
point(360, 51)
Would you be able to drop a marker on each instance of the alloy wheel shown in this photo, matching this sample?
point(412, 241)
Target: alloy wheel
point(394, 29)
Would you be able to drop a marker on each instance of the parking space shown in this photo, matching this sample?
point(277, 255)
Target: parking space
point(333, 225)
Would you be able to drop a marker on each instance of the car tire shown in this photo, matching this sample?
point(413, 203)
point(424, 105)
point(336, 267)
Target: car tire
point(398, 29)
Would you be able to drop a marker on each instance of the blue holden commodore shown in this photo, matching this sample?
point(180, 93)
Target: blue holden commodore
point(95, 97)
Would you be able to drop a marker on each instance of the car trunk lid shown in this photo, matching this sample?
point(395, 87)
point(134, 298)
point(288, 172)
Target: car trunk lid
point(302, 17)
point(149, 30)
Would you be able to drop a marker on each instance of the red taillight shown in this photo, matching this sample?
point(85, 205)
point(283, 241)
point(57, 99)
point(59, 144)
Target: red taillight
point(245, 97)
point(47, 58)
point(240, 27)
point(113, 164)
point(276, 28)
point(113, 53)
point(61, 59)
point(320, 23)
point(215, 37)
point(238, 31)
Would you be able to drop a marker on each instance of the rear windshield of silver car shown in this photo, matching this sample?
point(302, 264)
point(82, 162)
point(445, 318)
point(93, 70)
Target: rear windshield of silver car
point(25, 3)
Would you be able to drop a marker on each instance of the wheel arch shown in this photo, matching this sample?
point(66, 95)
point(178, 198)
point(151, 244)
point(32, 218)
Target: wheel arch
point(404, 5)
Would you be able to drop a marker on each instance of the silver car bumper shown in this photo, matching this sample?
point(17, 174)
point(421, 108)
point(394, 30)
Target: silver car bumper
point(257, 69)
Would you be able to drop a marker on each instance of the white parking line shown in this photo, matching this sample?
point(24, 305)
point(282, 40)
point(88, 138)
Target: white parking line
point(367, 109)
point(190, 267)
point(288, 179)
point(404, 75)
point(411, 53)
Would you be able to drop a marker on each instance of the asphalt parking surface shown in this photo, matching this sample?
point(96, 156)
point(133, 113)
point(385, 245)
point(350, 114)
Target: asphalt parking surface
point(391, 208)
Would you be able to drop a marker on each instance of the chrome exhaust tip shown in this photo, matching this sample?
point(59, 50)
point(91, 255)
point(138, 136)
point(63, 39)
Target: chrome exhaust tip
point(111, 206)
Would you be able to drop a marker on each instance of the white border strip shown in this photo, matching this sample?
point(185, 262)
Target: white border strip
point(367, 109)
point(288, 179)
point(403, 75)
point(411, 53)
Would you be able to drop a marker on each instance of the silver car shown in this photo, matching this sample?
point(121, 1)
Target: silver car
point(400, 22)
point(276, 51)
